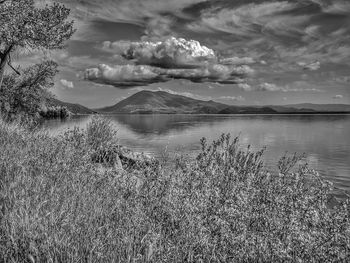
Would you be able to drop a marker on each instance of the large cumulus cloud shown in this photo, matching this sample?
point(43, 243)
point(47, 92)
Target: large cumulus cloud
point(170, 53)
point(151, 62)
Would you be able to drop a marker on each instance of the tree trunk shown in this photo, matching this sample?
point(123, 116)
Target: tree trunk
point(4, 57)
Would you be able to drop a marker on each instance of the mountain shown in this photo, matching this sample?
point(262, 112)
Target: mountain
point(145, 102)
point(73, 108)
point(162, 102)
point(321, 107)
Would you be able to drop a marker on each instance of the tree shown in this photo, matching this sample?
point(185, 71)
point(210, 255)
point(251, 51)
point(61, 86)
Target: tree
point(24, 96)
point(24, 25)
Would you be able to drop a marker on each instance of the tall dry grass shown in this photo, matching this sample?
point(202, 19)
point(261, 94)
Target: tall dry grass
point(58, 206)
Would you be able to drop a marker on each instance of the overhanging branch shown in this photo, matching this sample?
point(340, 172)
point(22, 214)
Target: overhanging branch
point(10, 65)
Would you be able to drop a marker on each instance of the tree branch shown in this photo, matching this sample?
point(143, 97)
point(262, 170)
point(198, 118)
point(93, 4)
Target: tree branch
point(10, 65)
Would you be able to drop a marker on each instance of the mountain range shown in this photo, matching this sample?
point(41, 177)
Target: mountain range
point(150, 102)
point(161, 102)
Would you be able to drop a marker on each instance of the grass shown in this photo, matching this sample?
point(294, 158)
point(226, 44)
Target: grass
point(57, 205)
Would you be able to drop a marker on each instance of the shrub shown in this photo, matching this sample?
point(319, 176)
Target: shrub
point(221, 207)
point(101, 138)
point(54, 112)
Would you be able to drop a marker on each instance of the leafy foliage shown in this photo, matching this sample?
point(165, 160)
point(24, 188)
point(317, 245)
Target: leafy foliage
point(24, 25)
point(58, 206)
point(24, 96)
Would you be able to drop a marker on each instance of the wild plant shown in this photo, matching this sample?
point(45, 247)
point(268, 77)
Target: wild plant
point(223, 206)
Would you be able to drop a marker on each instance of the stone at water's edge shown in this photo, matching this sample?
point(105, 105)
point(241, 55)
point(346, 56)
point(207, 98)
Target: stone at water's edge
point(119, 157)
point(131, 158)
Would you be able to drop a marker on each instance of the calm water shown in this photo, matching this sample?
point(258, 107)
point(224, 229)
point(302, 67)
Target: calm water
point(324, 138)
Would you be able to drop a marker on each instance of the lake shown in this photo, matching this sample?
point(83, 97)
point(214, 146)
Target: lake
point(323, 138)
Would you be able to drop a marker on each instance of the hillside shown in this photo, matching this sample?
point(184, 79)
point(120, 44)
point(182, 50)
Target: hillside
point(73, 108)
point(322, 107)
point(162, 102)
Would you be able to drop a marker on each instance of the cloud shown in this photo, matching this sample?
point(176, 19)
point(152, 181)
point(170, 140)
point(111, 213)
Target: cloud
point(297, 86)
point(246, 19)
point(232, 98)
point(338, 97)
point(338, 7)
point(170, 53)
point(122, 75)
point(310, 66)
point(237, 61)
point(127, 11)
point(186, 94)
point(138, 75)
point(245, 87)
point(152, 62)
point(269, 87)
point(67, 84)
point(342, 79)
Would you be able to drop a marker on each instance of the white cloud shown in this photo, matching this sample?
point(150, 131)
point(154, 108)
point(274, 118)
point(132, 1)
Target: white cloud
point(269, 87)
point(172, 58)
point(338, 97)
point(342, 79)
point(67, 84)
point(244, 19)
point(310, 66)
point(297, 86)
point(123, 75)
point(237, 61)
point(186, 94)
point(245, 87)
point(172, 52)
point(233, 98)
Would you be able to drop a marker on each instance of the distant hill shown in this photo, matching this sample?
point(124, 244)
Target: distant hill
point(247, 110)
point(162, 102)
point(73, 108)
point(321, 107)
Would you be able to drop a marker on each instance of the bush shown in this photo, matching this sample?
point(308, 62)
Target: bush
point(54, 112)
point(221, 207)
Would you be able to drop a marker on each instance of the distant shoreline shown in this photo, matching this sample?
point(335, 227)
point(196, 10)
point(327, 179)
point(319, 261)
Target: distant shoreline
point(216, 114)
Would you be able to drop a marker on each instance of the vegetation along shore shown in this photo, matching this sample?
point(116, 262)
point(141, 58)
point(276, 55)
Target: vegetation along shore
point(65, 199)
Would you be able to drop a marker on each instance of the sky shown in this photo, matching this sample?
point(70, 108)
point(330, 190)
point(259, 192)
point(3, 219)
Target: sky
point(240, 52)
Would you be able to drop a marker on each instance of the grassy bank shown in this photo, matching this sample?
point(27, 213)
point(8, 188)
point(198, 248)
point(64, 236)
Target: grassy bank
point(58, 205)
